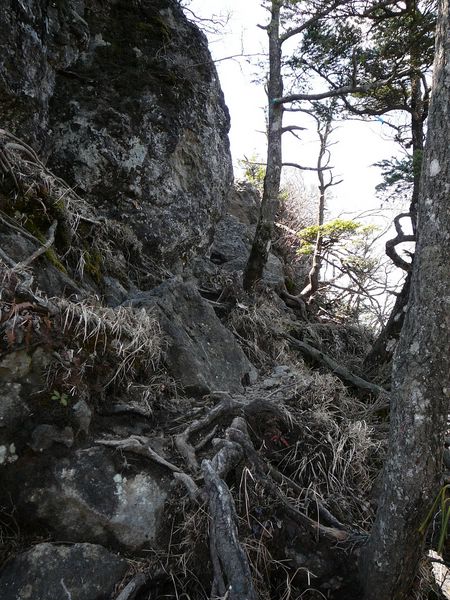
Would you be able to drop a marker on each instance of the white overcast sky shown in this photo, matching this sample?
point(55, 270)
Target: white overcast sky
point(359, 145)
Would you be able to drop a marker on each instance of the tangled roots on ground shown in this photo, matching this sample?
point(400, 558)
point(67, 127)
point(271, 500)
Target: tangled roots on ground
point(299, 466)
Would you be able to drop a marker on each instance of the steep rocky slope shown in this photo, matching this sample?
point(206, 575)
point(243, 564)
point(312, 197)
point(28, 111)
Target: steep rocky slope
point(159, 433)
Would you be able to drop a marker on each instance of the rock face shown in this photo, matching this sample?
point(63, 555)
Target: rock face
point(243, 202)
point(203, 356)
point(123, 99)
point(231, 249)
point(49, 572)
point(115, 173)
point(21, 373)
point(233, 238)
point(89, 497)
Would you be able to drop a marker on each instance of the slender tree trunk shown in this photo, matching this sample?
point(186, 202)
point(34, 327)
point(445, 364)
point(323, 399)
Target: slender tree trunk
point(417, 109)
point(384, 346)
point(314, 273)
point(261, 244)
point(421, 381)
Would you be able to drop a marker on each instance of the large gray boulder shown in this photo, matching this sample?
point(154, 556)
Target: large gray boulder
point(57, 572)
point(88, 497)
point(123, 101)
point(202, 355)
point(231, 248)
point(244, 202)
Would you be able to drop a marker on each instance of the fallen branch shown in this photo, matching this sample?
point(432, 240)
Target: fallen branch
point(343, 373)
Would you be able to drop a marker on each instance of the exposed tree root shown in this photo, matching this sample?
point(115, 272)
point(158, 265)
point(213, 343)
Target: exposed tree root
point(139, 445)
point(232, 573)
point(296, 302)
point(133, 587)
point(192, 488)
point(273, 518)
point(49, 242)
point(227, 407)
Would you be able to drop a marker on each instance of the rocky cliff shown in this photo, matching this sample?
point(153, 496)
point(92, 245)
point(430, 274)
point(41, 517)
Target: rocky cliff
point(114, 170)
point(123, 101)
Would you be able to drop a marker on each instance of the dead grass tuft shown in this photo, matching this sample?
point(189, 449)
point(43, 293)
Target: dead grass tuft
point(258, 328)
point(85, 244)
point(333, 453)
point(347, 344)
point(102, 348)
point(131, 338)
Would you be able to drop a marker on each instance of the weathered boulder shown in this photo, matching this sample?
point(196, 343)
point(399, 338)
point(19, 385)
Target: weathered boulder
point(231, 249)
point(244, 202)
point(54, 572)
point(88, 497)
point(203, 356)
point(22, 373)
point(123, 100)
point(232, 240)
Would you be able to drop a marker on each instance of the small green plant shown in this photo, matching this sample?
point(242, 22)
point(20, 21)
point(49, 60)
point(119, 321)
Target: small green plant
point(62, 398)
point(255, 170)
point(442, 499)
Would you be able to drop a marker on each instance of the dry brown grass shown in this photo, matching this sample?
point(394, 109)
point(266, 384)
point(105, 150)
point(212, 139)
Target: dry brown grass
point(334, 453)
point(347, 344)
point(131, 337)
point(86, 245)
point(258, 328)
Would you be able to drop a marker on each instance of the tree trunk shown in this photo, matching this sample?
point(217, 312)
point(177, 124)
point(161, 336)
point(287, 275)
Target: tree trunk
point(421, 387)
point(417, 109)
point(316, 265)
point(261, 244)
point(385, 343)
point(383, 348)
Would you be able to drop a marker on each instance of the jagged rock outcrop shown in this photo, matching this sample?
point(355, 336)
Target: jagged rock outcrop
point(114, 170)
point(202, 355)
point(123, 101)
point(232, 241)
point(231, 249)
